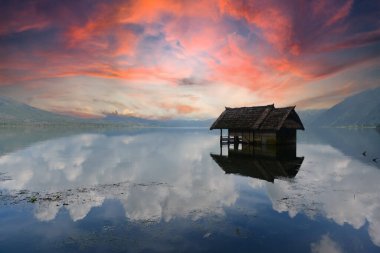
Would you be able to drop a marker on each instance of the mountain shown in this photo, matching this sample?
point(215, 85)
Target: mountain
point(12, 111)
point(362, 109)
point(309, 116)
point(16, 113)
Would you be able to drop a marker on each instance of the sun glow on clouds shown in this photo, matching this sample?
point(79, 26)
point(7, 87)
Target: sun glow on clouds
point(163, 59)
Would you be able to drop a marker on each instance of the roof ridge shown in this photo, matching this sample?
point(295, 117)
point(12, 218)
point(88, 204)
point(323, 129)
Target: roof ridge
point(218, 119)
point(262, 118)
point(285, 116)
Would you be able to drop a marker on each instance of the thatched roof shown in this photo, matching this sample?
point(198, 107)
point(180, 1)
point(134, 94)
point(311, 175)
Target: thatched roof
point(258, 167)
point(258, 118)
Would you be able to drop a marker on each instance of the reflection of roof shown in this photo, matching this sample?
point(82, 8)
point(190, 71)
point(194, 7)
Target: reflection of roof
point(258, 118)
point(257, 167)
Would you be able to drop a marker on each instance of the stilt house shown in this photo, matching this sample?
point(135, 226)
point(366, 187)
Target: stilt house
point(259, 124)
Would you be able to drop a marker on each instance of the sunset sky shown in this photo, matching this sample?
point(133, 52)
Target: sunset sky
point(186, 59)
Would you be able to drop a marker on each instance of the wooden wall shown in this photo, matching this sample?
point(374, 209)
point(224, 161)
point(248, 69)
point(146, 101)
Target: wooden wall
point(287, 136)
point(284, 136)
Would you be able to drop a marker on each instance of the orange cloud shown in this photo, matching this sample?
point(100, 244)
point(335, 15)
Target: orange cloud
point(272, 21)
point(179, 108)
point(185, 109)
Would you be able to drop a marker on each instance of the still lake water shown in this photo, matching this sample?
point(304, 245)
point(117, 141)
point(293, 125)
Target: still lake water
point(175, 190)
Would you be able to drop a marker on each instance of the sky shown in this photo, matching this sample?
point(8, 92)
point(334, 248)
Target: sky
point(186, 59)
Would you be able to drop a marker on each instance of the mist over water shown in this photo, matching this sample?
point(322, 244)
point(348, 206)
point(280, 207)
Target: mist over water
point(176, 190)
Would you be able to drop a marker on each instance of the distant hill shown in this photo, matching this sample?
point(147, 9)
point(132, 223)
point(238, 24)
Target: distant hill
point(309, 116)
point(12, 111)
point(362, 109)
point(16, 113)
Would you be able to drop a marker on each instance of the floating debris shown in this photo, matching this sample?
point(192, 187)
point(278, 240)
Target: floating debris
point(32, 199)
point(3, 177)
point(207, 235)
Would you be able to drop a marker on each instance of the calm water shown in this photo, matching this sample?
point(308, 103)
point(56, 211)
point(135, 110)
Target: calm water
point(176, 190)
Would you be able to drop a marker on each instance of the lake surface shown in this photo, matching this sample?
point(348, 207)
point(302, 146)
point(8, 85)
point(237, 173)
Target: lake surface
point(177, 190)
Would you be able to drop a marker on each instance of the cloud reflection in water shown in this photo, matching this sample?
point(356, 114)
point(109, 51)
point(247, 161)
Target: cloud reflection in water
point(155, 176)
point(163, 175)
point(333, 185)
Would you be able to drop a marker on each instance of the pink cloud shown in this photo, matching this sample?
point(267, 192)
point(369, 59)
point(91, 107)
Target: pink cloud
point(268, 47)
point(23, 19)
point(341, 13)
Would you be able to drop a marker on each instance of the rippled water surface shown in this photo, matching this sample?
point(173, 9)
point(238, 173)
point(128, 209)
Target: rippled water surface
point(160, 190)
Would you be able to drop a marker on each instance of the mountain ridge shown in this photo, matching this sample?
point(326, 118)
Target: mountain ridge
point(13, 112)
point(359, 110)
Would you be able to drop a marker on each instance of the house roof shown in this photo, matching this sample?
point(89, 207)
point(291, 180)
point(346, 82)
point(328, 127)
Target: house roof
point(258, 118)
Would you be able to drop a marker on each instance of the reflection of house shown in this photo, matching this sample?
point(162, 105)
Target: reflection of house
point(259, 124)
point(262, 162)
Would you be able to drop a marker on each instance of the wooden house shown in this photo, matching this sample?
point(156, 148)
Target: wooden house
point(259, 125)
